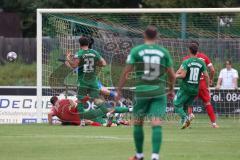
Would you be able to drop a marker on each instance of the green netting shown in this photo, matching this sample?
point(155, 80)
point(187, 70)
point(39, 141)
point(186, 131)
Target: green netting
point(115, 34)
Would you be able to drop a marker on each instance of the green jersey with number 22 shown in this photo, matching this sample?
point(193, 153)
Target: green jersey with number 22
point(150, 62)
point(194, 68)
point(87, 67)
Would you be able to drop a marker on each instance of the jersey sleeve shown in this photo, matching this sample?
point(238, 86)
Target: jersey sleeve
point(184, 65)
point(98, 56)
point(204, 68)
point(131, 59)
point(235, 74)
point(207, 61)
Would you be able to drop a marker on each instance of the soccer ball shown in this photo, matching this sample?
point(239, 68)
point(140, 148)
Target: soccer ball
point(11, 56)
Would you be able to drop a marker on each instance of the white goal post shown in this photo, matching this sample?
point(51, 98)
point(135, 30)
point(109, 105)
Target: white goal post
point(154, 11)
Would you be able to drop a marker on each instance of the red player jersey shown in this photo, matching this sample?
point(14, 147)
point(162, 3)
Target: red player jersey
point(65, 112)
point(204, 58)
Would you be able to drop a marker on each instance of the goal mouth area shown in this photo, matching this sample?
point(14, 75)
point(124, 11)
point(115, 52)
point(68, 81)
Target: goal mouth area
point(116, 31)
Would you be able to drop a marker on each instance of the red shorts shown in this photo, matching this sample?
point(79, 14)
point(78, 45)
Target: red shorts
point(204, 92)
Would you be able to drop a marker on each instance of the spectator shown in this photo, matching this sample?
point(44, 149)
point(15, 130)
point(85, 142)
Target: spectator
point(228, 77)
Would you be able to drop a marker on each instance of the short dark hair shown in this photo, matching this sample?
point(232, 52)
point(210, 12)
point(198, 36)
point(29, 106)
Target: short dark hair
point(84, 41)
point(151, 32)
point(53, 100)
point(195, 42)
point(193, 49)
point(229, 61)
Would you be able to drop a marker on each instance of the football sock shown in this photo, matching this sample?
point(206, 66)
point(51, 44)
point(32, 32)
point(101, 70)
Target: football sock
point(138, 138)
point(211, 114)
point(80, 107)
point(155, 156)
point(190, 110)
point(121, 109)
point(139, 155)
point(156, 139)
point(180, 112)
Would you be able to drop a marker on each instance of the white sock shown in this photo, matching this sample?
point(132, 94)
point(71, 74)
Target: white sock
point(214, 124)
point(155, 156)
point(139, 155)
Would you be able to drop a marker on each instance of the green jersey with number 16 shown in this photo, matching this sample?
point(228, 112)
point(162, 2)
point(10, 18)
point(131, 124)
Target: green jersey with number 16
point(194, 68)
point(150, 62)
point(88, 63)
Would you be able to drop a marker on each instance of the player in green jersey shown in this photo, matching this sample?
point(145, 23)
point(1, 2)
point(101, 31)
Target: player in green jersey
point(190, 72)
point(87, 61)
point(151, 63)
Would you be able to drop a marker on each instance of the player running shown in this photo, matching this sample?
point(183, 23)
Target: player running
point(190, 71)
point(203, 93)
point(151, 63)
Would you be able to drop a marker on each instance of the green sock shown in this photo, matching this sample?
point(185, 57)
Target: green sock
point(121, 109)
point(103, 108)
point(80, 108)
point(180, 112)
point(138, 138)
point(92, 114)
point(156, 139)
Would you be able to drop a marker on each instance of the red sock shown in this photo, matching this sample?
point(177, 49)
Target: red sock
point(211, 114)
point(190, 109)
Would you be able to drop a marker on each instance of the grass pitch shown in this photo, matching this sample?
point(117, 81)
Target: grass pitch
point(43, 142)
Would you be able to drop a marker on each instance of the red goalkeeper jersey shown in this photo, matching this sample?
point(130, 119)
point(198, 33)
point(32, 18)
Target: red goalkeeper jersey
point(204, 58)
point(66, 113)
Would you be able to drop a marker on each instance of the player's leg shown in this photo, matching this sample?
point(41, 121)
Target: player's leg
point(205, 96)
point(179, 101)
point(139, 111)
point(157, 112)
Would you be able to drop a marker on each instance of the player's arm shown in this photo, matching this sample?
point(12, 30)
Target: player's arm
point(235, 80)
point(129, 68)
point(72, 62)
point(171, 79)
point(211, 75)
point(205, 73)
point(181, 72)
point(50, 117)
point(102, 62)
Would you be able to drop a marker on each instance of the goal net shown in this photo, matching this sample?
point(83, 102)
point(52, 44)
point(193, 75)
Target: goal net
point(115, 33)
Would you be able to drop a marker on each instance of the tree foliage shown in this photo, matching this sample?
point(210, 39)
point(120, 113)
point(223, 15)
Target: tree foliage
point(26, 9)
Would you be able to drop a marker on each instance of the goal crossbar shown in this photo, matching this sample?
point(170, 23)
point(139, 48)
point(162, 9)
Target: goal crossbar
point(141, 10)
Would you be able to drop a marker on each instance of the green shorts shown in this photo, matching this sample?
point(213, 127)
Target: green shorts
point(150, 107)
point(183, 99)
point(90, 89)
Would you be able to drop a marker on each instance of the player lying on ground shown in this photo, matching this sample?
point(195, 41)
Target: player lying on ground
point(66, 111)
point(190, 72)
point(203, 93)
point(151, 63)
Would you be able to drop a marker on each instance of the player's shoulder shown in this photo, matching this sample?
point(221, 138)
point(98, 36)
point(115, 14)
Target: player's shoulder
point(202, 55)
point(234, 70)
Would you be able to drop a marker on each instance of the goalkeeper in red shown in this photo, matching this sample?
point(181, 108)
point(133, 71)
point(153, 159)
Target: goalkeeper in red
point(190, 72)
point(151, 63)
point(203, 88)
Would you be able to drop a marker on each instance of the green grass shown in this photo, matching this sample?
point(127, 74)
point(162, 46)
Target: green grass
point(43, 142)
point(18, 73)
